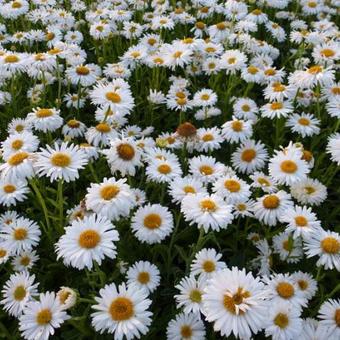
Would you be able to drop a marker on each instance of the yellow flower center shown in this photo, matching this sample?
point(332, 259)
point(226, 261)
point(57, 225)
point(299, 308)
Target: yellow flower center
point(245, 108)
point(188, 189)
point(125, 151)
point(303, 284)
point(82, 70)
point(143, 277)
point(19, 293)
point(208, 205)
point(108, 192)
point(208, 137)
point(271, 202)
point(288, 167)
point(270, 72)
point(152, 41)
point(237, 125)
point(301, 221)
point(113, 97)
point(287, 246)
point(63, 296)
point(61, 159)
point(177, 54)
point(186, 332)
point(205, 97)
point(285, 290)
point(195, 296)
point(152, 221)
point(276, 106)
point(3, 253)
point(121, 309)
point(281, 320)
point(304, 121)
point(206, 170)
point(309, 190)
point(248, 155)
point(20, 234)
point(337, 317)
point(307, 155)
point(315, 69)
point(208, 266)
point(16, 4)
point(11, 58)
point(221, 26)
point(230, 302)
point(164, 169)
point(9, 188)
point(263, 181)
point(232, 185)
point(330, 245)
point(44, 317)
point(256, 11)
point(25, 261)
point(17, 144)
point(89, 239)
point(277, 87)
point(231, 60)
point(253, 70)
point(200, 25)
point(19, 128)
point(43, 113)
point(241, 207)
point(103, 128)
point(73, 123)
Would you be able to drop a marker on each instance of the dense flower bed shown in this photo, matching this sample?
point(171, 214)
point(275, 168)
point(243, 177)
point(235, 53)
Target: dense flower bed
point(169, 170)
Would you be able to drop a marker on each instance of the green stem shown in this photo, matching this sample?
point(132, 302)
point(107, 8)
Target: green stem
point(60, 204)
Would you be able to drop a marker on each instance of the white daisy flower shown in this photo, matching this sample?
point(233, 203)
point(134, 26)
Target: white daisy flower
point(143, 274)
point(329, 313)
point(25, 260)
point(235, 302)
point(17, 291)
point(42, 317)
point(86, 241)
point(45, 119)
point(122, 311)
point(152, 223)
point(306, 283)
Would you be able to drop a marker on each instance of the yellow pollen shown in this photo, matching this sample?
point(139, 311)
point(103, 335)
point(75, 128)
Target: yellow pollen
point(125, 151)
point(208, 205)
point(210, 49)
point(16, 4)
point(61, 160)
point(270, 72)
point(103, 128)
point(208, 137)
point(73, 123)
point(143, 277)
point(303, 285)
point(337, 317)
point(304, 121)
point(241, 207)
point(281, 320)
point(200, 25)
point(152, 221)
point(20, 234)
point(336, 91)
point(19, 128)
point(330, 245)
point(17, 144)
point(309, 190)
point(206, 170)
point(205, 97)
point(177, 54)
point(108, 192)
point(288, 167)
point(256, 11)
point(188, 189)
point(307, 155)
point(221, 26)
point(25, 261)
point(164, 169)
point(237, 126)
point(232, 185)
point(186, 332)
point(230, 302)
point(9, 188)
point(276, 106)
point(287, 246)
point(11, 59)
point(245, 108)
point(271, 202)
point(152, 41)
point(89, 239)
point(158, 60)
point(19, 293)
point(82, 70)
point(248, 155)
point(188, 41)
point(253, 70)
point(263, 181)
point(231, 60)
point(312, 4)
point(277, 87)
point(44, 317)
point(135, 54)
point(181, 101)
point(208, 266)
point(113, 97)
point(301, 221)
point(327, 52)
point(43, 113)
point(3, 253)
point(285, 290)
point(17, 158)
point(315, 69)
point(195, 296)
point(63, 296)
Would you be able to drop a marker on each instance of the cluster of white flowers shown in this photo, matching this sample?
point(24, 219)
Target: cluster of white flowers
point(170, 153)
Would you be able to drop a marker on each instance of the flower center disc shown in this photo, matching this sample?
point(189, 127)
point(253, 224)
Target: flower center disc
point(121, 309)
point(152, 221)
point(89, 239)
